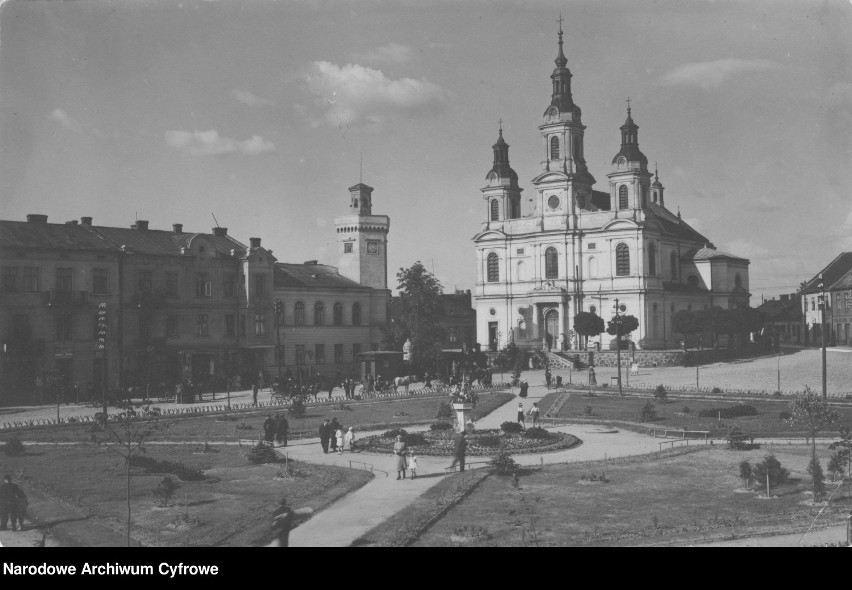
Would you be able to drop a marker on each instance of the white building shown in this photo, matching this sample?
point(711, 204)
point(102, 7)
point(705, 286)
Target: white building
point(580, 249)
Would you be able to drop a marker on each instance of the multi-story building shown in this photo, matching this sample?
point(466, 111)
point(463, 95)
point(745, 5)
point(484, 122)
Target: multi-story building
point(812, 292)
point(840, 294)
point(458, 319)
point(580, 249)
point(783, 319)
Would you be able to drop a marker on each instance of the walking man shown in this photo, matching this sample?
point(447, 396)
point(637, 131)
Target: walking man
point(323, 434)
point(254, 389)
point(547, 376)
point(11, 497)
point(459, 451)
point(282, 428)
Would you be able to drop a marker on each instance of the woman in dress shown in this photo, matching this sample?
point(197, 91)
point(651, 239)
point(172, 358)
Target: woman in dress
point(399, 450)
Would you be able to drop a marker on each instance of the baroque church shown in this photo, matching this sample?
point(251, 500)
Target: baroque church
point(580, 249)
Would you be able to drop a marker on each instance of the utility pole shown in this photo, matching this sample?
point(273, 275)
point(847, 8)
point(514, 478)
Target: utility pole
point(617, 322)
point(103, 328)
point(822, 307)
point(277, 309)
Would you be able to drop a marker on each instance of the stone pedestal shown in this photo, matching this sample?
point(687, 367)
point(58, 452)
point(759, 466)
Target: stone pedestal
point(462, 415)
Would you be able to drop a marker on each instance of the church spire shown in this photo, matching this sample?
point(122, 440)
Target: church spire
point(501, 168)
point(561, 77)
point(630, 142)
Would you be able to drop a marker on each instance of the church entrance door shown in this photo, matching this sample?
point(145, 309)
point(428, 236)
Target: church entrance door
point(551, 328)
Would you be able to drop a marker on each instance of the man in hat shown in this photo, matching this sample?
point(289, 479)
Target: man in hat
point(11, 498)
point(459, 451)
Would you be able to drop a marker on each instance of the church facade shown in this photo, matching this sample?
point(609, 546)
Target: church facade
point(581, 249)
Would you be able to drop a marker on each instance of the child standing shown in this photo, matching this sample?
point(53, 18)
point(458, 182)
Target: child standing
point(338, 434)
point(349, 439)
point(521, 420)
point(412, 464)
point(534, 410)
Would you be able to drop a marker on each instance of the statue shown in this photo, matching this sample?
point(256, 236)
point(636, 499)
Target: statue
point(406, 350)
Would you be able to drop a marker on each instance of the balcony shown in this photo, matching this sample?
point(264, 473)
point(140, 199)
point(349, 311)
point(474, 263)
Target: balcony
point(66, 298)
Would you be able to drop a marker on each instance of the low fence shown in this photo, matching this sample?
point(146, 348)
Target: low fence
point(681, 434)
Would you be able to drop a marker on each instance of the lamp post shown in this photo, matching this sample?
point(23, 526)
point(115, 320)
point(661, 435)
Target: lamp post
point(779, 371)
point(277, 308)
point(822, 306)
point(617, 322)
point(103, 327)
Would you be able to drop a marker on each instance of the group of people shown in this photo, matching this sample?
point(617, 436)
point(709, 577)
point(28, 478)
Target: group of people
point(533, 413)
point(405, 459)
point(275, 429)
point(334, 439)
point(13, 503)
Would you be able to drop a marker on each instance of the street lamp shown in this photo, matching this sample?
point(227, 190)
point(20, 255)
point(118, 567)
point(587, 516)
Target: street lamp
point(822, 306)
point(779, 371)
point(617, 322)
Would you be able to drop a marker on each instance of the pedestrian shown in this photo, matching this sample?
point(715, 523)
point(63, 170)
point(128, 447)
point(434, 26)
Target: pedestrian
point(459, 451)
point(412, 464)
point(525, 389)
point(428, 380)
point(338, 435)
point(547, 376)
point(282, 428)
point(11, 498)
point(269, 429)
point(254, 390)
point(260, 382)
point(332, 433)
point(323, 434)
point(592, 379)
point(283, 520)
point(349, 439)
point(521, 420)
point(534, 411)
point(399, 449)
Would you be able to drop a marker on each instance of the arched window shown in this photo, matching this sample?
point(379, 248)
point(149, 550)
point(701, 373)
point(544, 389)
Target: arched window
point(521, 275)
point(319, 313)
point(738, 281)
point(593, 267)
point(673, 261)
point(337, 318)
point(622, 260)
point(495, 210)
point(622, 197)
point(551, 263)
point(299, 314)
point(554, 148)
point(652, 259)
point(692, 280)
point(493, 268)
point(356, 314)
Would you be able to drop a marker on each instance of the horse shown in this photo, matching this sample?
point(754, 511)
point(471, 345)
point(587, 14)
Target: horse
point(400, 381)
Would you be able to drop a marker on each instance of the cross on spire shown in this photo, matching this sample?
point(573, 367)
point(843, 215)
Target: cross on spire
point(628, 104)
point(559, 20)
point(501, 125)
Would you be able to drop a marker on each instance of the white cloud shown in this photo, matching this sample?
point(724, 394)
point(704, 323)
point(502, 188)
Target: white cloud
point(712, 74)
point(64, 119)
point(210, 143)
point(746, 249)
point(765, 204)
point(354, 94)
point(247, 98)
point(393, 53)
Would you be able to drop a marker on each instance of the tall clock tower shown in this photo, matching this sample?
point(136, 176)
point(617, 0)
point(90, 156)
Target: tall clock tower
point(362, 240)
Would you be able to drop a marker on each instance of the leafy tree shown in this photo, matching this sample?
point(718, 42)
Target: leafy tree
point(811, 410)
point(772, 467)
point(837, 463)
point(588, 324)
point(686, 322)
point(629, 323)
point(649, 413)
point(815, 469)
point(737, 439)
point(745, 473)
point(165, 490)
point(418, 304)
point(843, 448)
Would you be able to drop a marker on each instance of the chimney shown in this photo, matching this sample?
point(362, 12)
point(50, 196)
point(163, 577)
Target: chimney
point(221, 231)
point(310, 262)
point(141, 225)
point(255, 242)
point(86, 221)
point(36, 218)
point(177, 228)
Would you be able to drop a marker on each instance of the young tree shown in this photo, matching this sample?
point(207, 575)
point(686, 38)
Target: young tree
point(419, 304)
point(588, 325)
point(843, 451)
point(745, 473)
point(125, 436)
point(811, 410)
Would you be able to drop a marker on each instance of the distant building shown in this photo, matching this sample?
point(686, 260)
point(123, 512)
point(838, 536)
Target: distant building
point(783, 319)
point(458, 320)
point(831, 274)
point(581, 249)
point(840, 294)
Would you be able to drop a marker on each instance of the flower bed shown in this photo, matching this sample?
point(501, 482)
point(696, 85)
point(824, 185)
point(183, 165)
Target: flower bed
point(479, 443)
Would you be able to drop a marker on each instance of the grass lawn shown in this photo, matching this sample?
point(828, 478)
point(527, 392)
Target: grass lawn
point(249, 425)
point(670, 414)
point(680, 499)
point(80, 490)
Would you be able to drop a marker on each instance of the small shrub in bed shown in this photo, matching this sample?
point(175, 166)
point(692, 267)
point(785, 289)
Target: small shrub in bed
point(503, 462)
point(660, 393)
point(536, 432)
point(440, 426)
point(510, 427)
point(262, 452)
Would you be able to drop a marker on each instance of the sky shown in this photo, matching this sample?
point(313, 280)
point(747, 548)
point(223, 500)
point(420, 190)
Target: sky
point(261, 112)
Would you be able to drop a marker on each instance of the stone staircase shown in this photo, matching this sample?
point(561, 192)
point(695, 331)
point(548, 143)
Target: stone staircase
point(558, 361)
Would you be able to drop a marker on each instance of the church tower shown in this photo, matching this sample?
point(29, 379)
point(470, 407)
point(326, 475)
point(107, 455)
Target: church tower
point(629, 180)
point(501, 193)
point(657, 190)
point(564, 183)
point(362, 240)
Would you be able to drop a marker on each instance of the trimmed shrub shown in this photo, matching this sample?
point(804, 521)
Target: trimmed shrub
point(771, 466)
point(503, 462)
point(537, 433)
point(686, 410)
point(297, 407)
point(414, 439)
point(815, 469)
point(738, 440)
point(13, 447)
point(440, 426)
point(445, 410)
point(165, 490)
point(489, 440)
point(837, 463)
point(648, 413)
point(660, 393)
point(716, 390)
point(510, 427)
point(785, 415)
point(729, 412)
point(262, 452)
point(395, 433)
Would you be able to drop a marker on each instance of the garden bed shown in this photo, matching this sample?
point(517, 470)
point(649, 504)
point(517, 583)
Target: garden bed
point(479, 443)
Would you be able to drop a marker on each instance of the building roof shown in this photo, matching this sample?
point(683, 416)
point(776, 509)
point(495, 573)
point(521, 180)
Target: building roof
point(845, 282)
point(312, 275)
point(711, 254)
point(674, 225)
point(61, 236)
point(778, 310)
point(831, 274)
point(162, 242)
point(457, 305)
